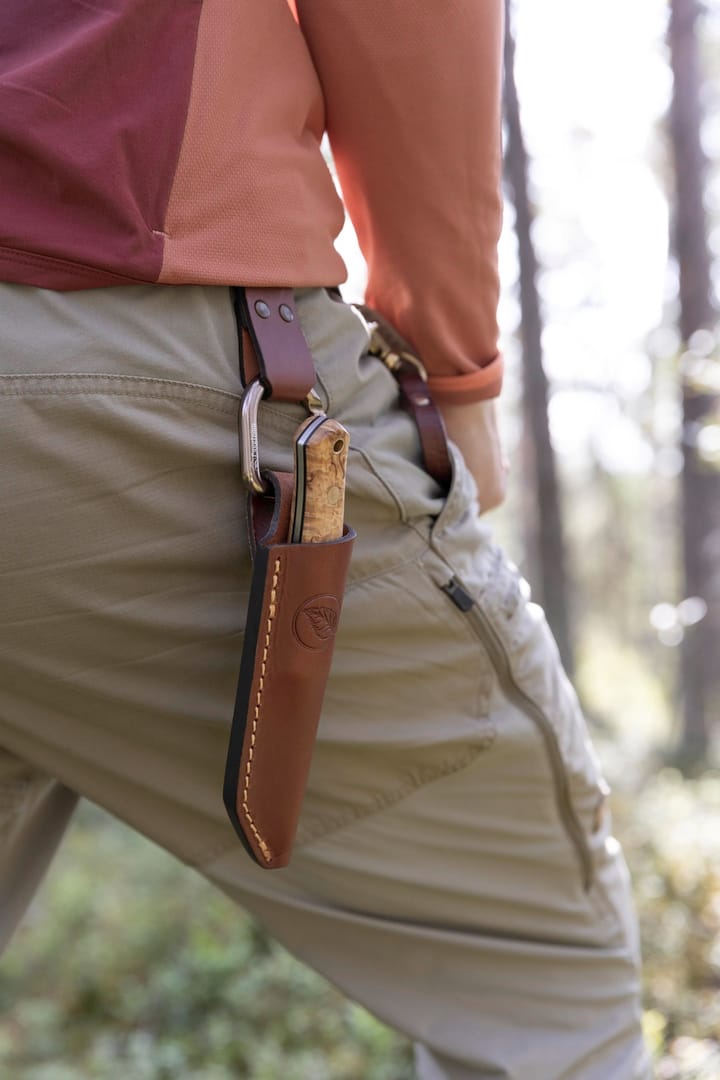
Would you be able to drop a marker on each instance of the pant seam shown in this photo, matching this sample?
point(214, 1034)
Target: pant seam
point(132, 386)
point(133, 396)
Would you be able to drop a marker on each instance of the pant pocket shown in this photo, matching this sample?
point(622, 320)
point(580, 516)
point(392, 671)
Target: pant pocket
point(407, 701)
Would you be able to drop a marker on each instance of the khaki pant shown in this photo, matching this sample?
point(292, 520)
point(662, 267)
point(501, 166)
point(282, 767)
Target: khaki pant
point(454, 871)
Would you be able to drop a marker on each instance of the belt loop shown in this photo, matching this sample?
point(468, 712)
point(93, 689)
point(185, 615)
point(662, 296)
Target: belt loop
point(269, 318)
point(415, 397)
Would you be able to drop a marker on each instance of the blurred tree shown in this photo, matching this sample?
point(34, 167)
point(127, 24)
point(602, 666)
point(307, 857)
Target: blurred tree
point(700, 479)
point(547, 556)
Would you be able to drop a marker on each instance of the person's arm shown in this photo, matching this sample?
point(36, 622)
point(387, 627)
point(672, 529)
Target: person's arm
point(413, 92)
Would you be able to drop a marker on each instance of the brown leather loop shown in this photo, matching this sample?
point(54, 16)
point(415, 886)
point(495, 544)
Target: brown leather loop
point(416, 398)
point(269, 513)
point(283, 358)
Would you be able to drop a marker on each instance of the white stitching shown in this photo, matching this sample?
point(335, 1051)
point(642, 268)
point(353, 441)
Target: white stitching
point(267, 853)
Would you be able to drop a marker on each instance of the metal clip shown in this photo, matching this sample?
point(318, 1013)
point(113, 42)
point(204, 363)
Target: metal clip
point(380, 347)
point(249, 446)
point(313, 404)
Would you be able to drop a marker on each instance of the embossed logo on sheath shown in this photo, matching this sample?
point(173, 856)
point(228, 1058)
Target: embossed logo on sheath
point(316, 621)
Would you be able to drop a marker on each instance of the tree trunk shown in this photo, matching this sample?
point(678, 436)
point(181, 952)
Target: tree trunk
point(700, 482)
point(546, 547)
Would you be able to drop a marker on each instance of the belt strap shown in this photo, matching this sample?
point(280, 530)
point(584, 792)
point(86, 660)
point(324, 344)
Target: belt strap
point(282, 358)
point(415, 397)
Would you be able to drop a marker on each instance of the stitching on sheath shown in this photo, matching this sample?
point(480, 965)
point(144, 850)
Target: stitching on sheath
point(256, 712)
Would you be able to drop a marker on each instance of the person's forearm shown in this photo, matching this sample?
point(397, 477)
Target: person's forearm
point(413, 115)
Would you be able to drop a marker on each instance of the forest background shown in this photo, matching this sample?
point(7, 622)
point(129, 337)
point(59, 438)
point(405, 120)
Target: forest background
point(130, 966)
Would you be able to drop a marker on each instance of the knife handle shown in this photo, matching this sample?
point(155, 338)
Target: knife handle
point(325, 453)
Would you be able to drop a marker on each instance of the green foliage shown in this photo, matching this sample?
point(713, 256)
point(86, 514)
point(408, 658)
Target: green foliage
point(671, 835)
point(129, 965)
point(669, 827)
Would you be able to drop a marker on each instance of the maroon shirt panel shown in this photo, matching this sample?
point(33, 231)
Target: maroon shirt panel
point(93, 101)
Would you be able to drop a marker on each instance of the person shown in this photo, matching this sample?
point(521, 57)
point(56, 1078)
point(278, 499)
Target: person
point(454, 870)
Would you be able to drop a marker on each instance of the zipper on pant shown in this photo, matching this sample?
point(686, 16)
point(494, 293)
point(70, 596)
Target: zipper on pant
point(501, 663)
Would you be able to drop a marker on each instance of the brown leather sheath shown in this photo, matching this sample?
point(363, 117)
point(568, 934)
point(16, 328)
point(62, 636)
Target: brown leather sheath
point(295, 601)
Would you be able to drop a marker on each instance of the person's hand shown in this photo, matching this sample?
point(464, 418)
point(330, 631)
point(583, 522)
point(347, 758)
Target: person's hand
point(473, 427)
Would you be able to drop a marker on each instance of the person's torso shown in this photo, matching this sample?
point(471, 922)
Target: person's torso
point(161, 141)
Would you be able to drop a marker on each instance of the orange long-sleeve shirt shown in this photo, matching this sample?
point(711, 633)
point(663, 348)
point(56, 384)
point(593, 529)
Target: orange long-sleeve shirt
point(179, 142)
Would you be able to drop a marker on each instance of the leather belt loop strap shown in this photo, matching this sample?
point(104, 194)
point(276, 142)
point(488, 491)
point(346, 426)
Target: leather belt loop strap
point(415, 397)
point(269, 514)
point(284, 361)
point(416, 400)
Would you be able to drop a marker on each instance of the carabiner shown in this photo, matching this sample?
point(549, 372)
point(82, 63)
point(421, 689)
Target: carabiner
point(249, 445)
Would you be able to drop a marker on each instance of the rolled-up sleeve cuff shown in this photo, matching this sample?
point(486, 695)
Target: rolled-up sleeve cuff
point(478, 385)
